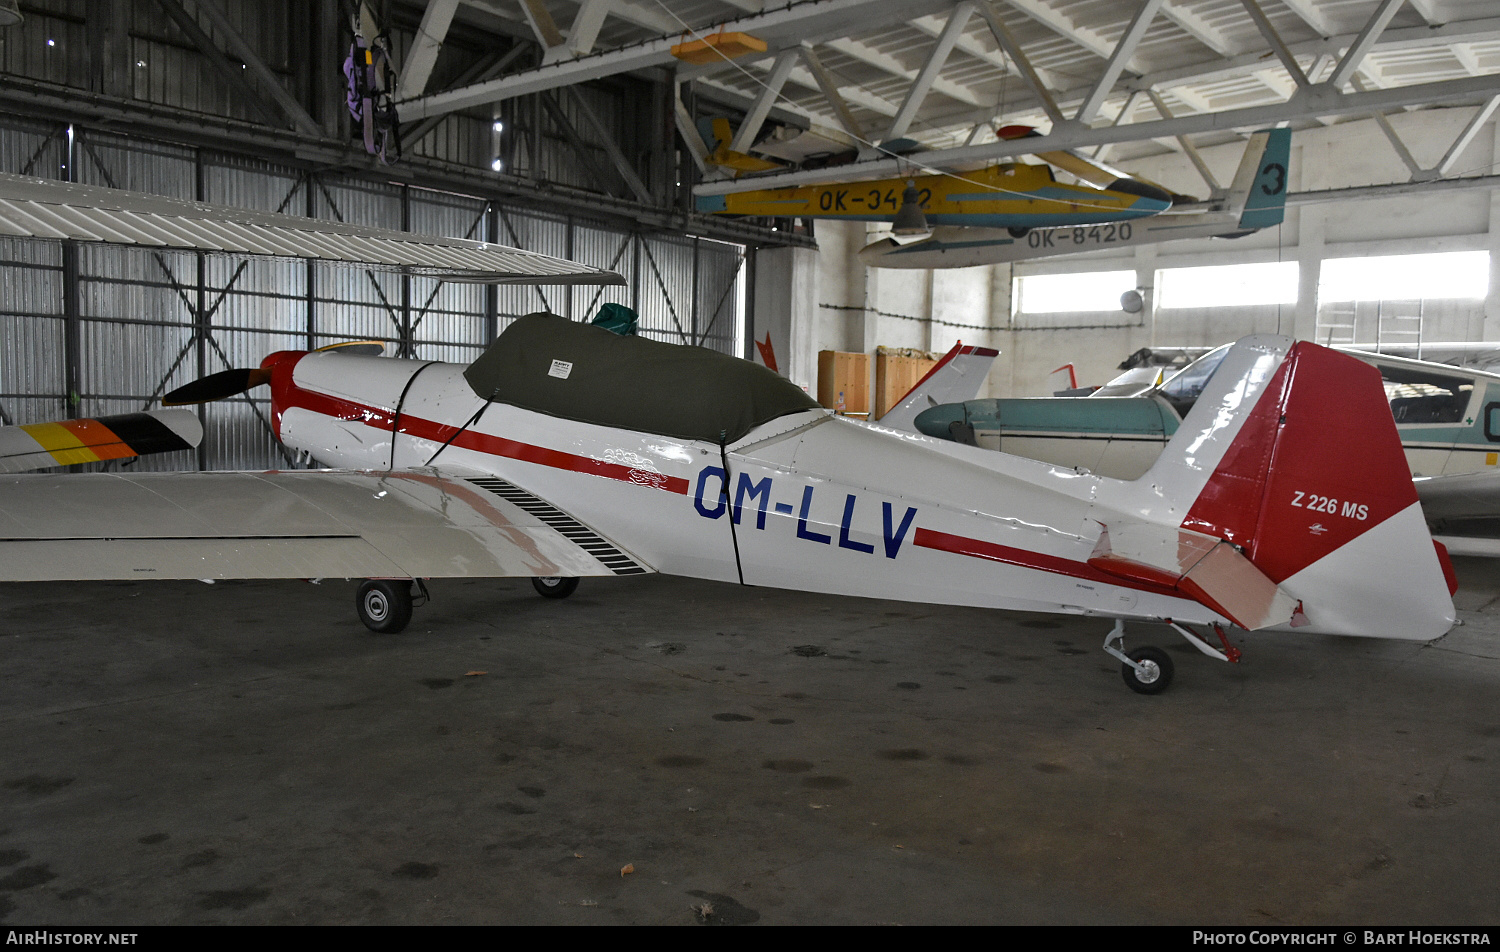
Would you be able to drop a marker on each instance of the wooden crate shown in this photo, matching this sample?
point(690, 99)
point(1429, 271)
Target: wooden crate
point(895, 374)
point(844, 382)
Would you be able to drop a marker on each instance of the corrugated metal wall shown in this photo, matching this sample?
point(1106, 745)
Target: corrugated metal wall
point(149, 321)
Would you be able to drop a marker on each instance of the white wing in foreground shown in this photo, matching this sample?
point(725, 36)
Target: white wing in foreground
point(39, 208)
point(403, 524)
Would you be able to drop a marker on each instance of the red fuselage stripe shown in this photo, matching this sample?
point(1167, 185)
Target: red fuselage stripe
point(341, 409)
point(962, 545)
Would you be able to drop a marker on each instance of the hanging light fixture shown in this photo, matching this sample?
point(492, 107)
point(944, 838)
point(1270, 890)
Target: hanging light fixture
point(909, 219)
point(10, 12)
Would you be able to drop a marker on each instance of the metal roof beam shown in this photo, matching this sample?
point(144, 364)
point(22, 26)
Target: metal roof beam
point(1008, 43)
point(1123, 51)
point(1364, 41)
point(268, 79)
point(1263, 23)
point(744, 137)
point(1445, 165)
point(1188, 148)
point(1316, 101)
point(424, 50)
point(611, 148)
point(781, 27)
point(938, 56)
point(830, 90)
point(586, 24)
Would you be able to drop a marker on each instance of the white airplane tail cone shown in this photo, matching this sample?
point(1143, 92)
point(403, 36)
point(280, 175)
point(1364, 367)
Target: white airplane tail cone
point(1291, 456)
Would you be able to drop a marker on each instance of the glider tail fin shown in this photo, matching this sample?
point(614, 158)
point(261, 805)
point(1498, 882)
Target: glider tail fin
point(1291, 456)
point(1259, 189)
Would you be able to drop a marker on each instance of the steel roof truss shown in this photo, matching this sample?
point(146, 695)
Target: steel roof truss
point(1363, 42)
point(744, 137)
point(1124, 50)
point(836, 101)
point(424, 50)
point(917, 92)
point(1013, 49)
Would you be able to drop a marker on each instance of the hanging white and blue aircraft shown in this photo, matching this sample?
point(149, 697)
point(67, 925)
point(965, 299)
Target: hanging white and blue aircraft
point(1256, 199)
point(529, 462)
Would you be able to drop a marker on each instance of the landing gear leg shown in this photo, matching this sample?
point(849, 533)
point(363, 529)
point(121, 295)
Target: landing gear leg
point(1146, 670)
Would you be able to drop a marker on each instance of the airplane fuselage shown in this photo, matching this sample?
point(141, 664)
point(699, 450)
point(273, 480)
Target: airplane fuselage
point(807, 501)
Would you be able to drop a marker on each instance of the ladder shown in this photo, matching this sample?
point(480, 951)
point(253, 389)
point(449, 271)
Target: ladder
point(1335, 324)
point(1400, 322)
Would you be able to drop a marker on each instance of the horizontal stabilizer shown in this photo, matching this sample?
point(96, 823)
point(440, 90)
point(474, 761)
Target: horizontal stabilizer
point(1208, 570)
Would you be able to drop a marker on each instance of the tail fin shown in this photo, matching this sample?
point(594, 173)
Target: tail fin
point(954, 379)
point(1259, 188)
point(1292, 457)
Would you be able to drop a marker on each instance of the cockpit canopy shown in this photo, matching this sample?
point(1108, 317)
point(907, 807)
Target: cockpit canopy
point(562, 368)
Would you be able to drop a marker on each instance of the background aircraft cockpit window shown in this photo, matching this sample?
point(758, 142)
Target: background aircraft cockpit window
point(1420, 397)
point(1183, 389)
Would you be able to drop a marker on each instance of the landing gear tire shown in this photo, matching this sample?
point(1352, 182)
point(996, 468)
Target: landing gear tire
point(1018, 232)
point(384, 606)
point(554, 587)
point(1155, 678)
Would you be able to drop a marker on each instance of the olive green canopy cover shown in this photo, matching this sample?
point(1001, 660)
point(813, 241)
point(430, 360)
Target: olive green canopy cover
point(552, 365)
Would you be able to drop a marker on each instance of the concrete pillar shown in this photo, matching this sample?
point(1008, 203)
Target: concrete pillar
point(1311, 222)
point(1492, 299)
point(786, 305)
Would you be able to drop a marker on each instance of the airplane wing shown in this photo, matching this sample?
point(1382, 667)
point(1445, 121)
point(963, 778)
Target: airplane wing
point(39, 208)
point(42, 445)
point(309, 524)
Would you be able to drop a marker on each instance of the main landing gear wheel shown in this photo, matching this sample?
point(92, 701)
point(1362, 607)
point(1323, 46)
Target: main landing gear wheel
point(1157, 674)
point(1018, 232)
point(554, 587)
point(384, 605)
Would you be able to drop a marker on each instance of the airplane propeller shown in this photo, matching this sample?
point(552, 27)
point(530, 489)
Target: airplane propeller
point(229, 383)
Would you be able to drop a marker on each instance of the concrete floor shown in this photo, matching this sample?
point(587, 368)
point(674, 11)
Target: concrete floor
point(248, 753)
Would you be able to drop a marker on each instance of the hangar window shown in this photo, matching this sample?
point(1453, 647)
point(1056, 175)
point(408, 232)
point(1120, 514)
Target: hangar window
point(1061, 293)
point(1454, 274)
point(1231, 285)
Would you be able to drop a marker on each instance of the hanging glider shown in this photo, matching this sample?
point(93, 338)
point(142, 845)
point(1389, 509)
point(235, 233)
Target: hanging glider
point(1255, 200)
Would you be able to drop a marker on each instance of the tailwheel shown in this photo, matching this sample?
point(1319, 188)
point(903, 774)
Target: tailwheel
point(555, 586)
point(384, 605)
point(1148, 671)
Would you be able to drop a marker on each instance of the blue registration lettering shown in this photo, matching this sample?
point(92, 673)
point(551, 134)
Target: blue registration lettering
point(760, 490)
point(703, 476)
point(893, 540)
point(802, 530)
point(844, 540)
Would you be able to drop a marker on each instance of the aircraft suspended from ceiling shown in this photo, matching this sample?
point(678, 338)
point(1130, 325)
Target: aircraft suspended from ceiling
point(1016, 196)
point(1256, 199)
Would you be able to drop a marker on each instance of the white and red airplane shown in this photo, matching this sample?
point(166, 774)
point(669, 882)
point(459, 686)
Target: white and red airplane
point(567, 451)
point(1282, 502)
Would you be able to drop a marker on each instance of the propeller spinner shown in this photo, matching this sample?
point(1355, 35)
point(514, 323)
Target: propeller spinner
point(229, 383)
